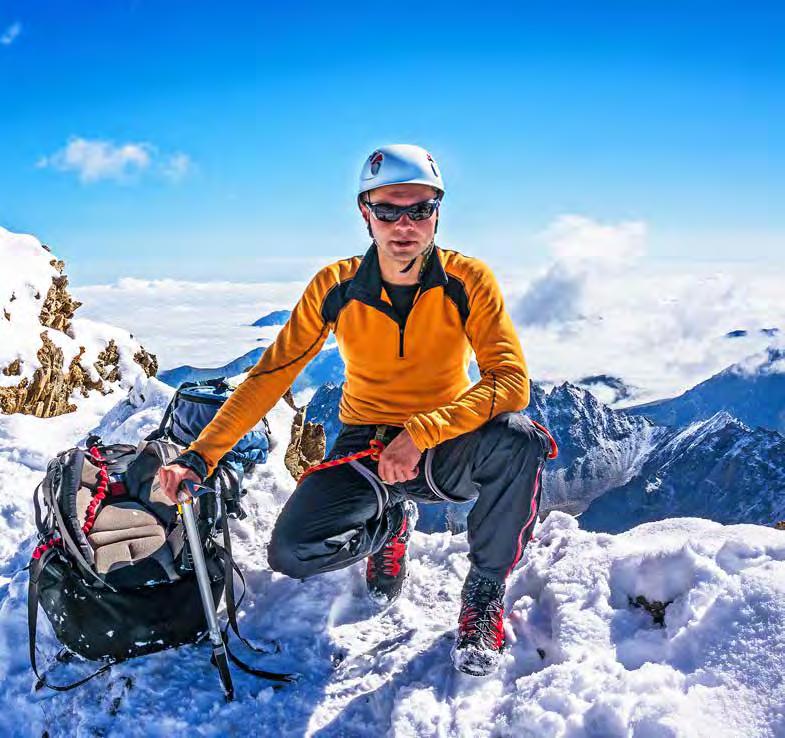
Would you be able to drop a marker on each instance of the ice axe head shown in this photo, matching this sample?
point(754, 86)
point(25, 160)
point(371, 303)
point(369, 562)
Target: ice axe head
point(189, 489)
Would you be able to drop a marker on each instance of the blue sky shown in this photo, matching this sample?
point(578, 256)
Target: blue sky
point(252, 123)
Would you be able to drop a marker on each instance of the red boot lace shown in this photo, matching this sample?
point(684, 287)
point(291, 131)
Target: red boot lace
point(392, 553)
point(482, 625)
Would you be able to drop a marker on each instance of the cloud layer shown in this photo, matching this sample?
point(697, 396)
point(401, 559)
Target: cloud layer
point(204, 324)
point(600, 308)
point(660, 329)
point(94, 159)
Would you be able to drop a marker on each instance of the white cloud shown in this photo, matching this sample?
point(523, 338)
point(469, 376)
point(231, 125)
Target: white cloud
point(176, 166)
point(94, 159)
point(583, 250)
point(584, 244)
point(770, 361)
point(10, 34)
point(183, 322)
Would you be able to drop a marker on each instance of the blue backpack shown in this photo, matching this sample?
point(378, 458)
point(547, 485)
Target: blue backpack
point(193, 406)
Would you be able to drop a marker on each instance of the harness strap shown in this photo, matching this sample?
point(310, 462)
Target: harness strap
point(261, 673)
point(40, 524)
point(375, 450)
point(382, 495)
point(68, 541)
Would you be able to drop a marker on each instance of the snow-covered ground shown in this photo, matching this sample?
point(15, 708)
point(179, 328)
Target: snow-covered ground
point(583, 662)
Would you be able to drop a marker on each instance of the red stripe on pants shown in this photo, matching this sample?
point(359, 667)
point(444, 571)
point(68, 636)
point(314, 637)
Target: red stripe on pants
point(532, 513)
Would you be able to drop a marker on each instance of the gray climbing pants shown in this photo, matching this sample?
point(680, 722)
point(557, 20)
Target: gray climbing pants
point(337, 515)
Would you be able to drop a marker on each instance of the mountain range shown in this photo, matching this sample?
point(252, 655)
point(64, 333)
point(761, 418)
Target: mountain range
point(752, 390)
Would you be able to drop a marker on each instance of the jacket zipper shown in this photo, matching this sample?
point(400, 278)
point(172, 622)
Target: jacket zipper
point(401, 327)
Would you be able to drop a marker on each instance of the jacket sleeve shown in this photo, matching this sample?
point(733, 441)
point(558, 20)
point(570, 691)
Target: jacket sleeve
point(297, 343)
point(504, 379)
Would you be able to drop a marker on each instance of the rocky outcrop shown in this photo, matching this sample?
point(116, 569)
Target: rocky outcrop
point(307, 443)
point(59, 307)
point(47, 395)
point(49, 391)
point(36, 297)
point(147, 361)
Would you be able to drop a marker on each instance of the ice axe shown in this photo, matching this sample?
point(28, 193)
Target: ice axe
point(185, 499)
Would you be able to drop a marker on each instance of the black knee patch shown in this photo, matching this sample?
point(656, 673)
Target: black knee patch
point(281, 556)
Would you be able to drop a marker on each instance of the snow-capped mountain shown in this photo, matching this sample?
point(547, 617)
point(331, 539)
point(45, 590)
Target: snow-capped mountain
point(717, 468)
point(175, 377)
point(277, 317)
point(599, 448)
point(752, 390)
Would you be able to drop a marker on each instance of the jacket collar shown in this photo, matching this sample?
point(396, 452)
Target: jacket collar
point(367, 281)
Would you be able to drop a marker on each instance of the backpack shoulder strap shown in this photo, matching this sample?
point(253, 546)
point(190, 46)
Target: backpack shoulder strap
point(68, 541)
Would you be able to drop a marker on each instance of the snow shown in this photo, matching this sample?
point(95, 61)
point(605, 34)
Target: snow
point(24, 282)
point(23, 290)
point(714, 668)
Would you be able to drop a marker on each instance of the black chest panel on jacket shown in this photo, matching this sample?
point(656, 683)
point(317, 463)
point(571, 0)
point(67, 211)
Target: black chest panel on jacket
point(402, 298)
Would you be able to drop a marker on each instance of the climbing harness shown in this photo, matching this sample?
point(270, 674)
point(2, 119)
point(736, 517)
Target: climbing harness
point(374, 451)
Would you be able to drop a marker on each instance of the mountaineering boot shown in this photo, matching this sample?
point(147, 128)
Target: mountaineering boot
point(386, 569)
point(480, 638)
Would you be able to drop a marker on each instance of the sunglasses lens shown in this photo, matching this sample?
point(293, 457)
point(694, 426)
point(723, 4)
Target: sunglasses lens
point(422, 210)
point(385, 212)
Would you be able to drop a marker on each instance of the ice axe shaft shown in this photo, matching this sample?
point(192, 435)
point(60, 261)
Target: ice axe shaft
point(186, 509)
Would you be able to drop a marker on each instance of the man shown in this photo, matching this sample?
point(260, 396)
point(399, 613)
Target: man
point(406, 317)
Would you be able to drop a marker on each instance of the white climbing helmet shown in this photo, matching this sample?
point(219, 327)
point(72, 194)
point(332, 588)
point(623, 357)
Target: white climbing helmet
point(399, 164)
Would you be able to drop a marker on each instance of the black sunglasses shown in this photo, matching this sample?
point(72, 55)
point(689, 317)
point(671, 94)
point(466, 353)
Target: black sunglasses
point(390, 213)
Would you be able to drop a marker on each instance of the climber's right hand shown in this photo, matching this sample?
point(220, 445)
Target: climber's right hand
point(171, 476)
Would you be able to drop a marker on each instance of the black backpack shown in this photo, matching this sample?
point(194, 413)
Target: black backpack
point(112, 570)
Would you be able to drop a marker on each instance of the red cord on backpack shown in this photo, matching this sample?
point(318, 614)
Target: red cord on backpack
point(374, 452)
point(100, 493)
point(92, 508)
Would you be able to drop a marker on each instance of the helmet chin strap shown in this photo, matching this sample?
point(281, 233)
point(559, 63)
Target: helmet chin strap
point(425, 254)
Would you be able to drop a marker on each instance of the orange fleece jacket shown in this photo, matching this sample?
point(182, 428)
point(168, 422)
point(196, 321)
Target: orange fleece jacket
point(412, 374)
